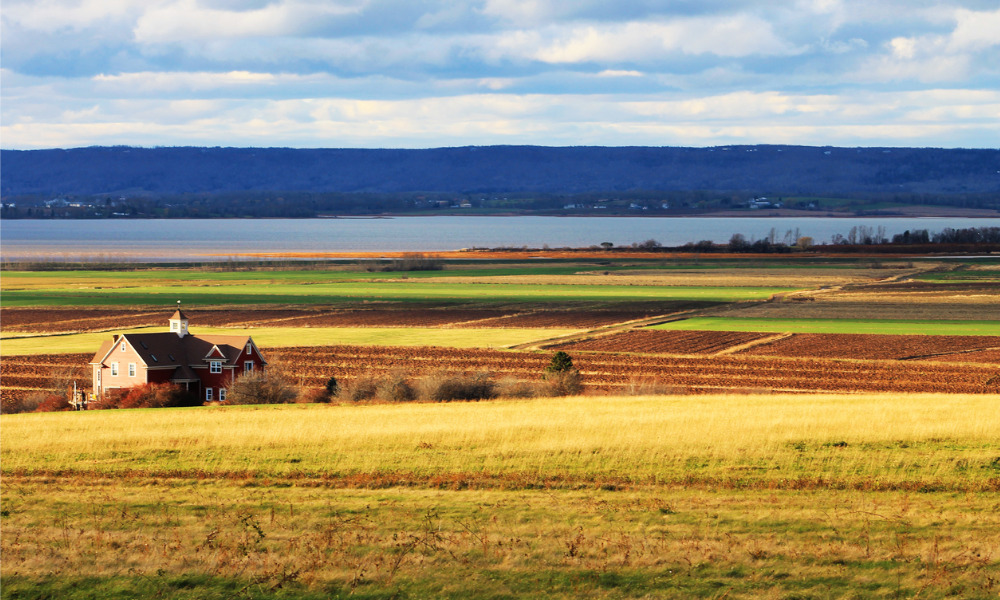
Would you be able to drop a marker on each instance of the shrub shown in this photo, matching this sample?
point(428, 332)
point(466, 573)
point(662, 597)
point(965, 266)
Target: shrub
point(260, 387)
point(560, 378)
point(511, 387)
point(331, 388)
point(444, 387)
point(13, 403)
point(313, 396)
point(155, 395)
point(53, 403)
point(562, 383)
point(561, 363)
point(395, 387)
point(110, 400)
point(360, 390)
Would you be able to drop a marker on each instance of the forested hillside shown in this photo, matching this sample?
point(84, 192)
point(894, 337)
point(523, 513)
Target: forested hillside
point(969, 177)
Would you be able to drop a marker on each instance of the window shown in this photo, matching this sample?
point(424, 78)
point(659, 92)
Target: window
point(248, 366)
point(131, 369)
point(208, 394)
point(249, 348)
point(123, 346)
point(215, 366)
point(174, 325)
point(114, 369)
point(222, 394)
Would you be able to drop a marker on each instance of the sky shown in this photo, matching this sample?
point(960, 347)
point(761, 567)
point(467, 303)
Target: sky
point(436, 73)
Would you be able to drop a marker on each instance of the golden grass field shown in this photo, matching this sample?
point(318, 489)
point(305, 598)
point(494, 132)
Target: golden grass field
point(740, 496)
point(772, 440)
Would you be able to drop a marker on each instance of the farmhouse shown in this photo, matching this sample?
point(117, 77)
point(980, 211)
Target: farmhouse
point(204, 364)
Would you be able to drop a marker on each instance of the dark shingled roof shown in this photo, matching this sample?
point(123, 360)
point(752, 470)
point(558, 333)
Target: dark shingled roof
point(167, 349)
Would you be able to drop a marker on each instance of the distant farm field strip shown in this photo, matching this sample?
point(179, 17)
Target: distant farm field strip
point(885, 327)
point(284, 293)
point(282, 337)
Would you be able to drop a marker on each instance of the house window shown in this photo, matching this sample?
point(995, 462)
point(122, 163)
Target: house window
point(249, 348)
point(131, 369)
point(248, 366)
point(114, 369)
point(215, 366)
point(208, 394)
point(123, 346)
point(174, 325)
point(222, 394)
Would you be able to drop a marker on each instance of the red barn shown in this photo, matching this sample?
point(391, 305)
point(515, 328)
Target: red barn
point(204, 364)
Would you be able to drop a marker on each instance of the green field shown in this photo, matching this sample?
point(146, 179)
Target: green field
point(282, 337)
point(63, 293)
point(856, 326)
point(825, 496)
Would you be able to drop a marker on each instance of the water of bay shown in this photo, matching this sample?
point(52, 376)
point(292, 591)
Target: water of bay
point(183, 240)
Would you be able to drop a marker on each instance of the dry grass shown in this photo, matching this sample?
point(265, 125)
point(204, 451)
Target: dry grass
point(674, 544)
point(862, 441)
point(828, 496)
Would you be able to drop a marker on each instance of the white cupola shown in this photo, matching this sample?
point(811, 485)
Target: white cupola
point(179, 322)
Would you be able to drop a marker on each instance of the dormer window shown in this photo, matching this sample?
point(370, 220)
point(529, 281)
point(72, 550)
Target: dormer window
point(215, 366)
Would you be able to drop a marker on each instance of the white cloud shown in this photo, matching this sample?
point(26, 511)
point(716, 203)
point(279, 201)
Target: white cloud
point(181, 20)
point(157, 81)
point(975, 30)
point(921, 118)
point(934, 58)
point(903, 48)
point(75, 15)
point(730, 36)
point(439, 72)
point(619, 73)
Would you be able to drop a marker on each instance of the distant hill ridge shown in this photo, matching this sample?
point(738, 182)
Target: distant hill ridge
point(767, 169)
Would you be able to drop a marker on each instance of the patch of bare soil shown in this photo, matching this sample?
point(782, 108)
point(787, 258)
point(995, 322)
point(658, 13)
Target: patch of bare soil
point(822, 309)
point(879, 347)
point(665, 342)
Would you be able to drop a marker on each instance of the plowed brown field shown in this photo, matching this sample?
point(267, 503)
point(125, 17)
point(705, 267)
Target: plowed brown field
point(602, 371)
point(897, 347)
point(609, 371)
point(666, 342)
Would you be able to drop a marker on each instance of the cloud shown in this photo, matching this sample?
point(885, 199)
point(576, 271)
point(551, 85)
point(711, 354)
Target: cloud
point(731, 36)
point(182, 20)
point(72, 15)
point(975, 30)
point(863, 118)
point(439, 72)
point(957, 55)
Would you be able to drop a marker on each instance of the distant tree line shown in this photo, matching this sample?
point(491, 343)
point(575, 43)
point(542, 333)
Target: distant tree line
point(860, 237)
point(304, 205)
